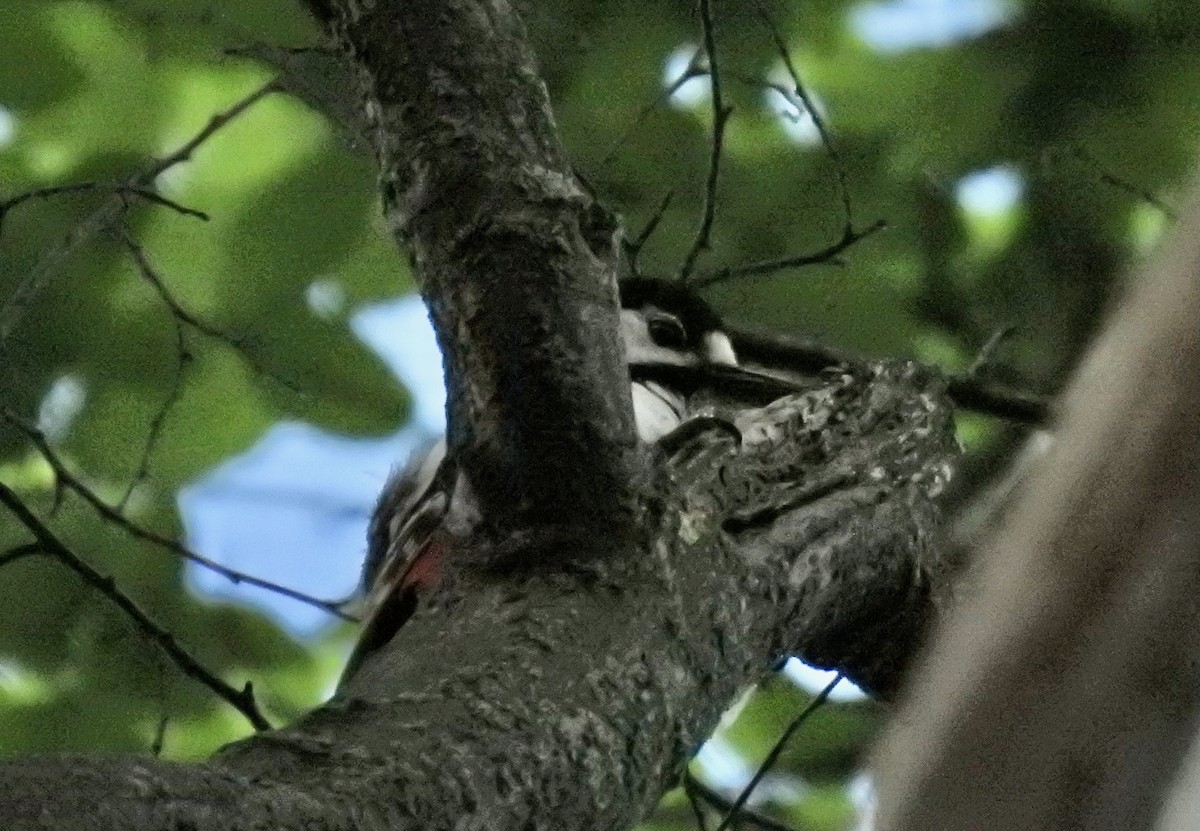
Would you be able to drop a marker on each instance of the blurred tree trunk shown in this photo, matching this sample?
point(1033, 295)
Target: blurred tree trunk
point(1066, 694)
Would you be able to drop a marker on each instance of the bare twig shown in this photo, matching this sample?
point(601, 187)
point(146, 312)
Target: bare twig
point(634, 249)
point(19, 552)
point(694, 69)
point(181, 314)
point(184, 152)
point(850, 235)
point(123, 190)
point(105, 217)
point(691, 791)
point(773, 756)
point(64, 477)
point(242, 700)
point(138, 254)
point(784, 92)
point(695, 788)
point(827, 255)
point(1110, 178)
point(160, 731)
point(181, 318)
point(721, 115)
point(810, 107)
point(987, 353)
point(183, 359)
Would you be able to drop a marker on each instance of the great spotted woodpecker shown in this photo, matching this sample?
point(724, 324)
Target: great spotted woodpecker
point(675, 348)
point(666, 325)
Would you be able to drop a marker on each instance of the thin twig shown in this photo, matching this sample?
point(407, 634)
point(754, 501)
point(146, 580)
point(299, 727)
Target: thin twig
point(68, 480)
point(694, 69)
point(987, 353)
point(19, 552)
point(714, 798)
point(813, 113)
point(773, 756)
point(183, 359)
point(242, 700)
point(105, 217)
point(160, 731)
point(119, 189)
point(850, 235)
point(826, 256)
point(721, 115)
point(691, 791)
point(1109, 178)
point(181, 317)
point(634, 249)
point(784, 92)
point(138, 254)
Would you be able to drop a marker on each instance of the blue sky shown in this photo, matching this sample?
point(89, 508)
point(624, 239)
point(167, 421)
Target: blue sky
point(294, 508)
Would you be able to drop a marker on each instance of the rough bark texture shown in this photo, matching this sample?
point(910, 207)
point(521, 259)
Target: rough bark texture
point(570, 698)
point(517, 262)
point(616, 599)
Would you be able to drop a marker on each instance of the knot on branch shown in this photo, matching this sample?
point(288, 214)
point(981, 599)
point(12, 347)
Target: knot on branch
point(826, 508)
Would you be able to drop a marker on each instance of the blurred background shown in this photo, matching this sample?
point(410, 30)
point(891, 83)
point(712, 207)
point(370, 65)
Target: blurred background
point(245, 381)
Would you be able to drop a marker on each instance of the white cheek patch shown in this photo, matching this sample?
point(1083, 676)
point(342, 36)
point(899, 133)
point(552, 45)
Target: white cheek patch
point(718, 349)
point(654, 411)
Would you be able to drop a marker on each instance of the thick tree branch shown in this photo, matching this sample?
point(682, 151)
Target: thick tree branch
point(514, 259)
point(567, 699)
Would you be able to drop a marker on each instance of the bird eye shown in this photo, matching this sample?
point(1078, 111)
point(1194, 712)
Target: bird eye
point(667, 331)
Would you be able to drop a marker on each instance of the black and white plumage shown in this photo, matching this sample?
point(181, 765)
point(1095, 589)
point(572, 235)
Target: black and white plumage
point(666, 325)
point(672, 339)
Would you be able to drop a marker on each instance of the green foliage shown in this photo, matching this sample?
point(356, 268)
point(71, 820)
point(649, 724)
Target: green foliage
point(97, 91)
point(832, 740)
point(1094, 104)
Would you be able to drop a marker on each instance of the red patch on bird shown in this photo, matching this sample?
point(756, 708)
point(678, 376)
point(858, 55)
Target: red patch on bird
point(426, 568)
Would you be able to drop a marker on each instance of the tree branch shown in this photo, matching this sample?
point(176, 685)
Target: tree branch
point(514, 259)
point(574, 698)
point(64, 478)
point(242, 700)
point(571, 692)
